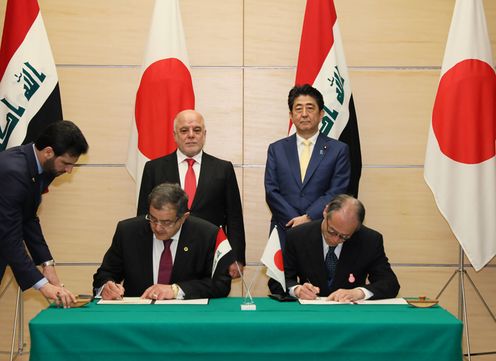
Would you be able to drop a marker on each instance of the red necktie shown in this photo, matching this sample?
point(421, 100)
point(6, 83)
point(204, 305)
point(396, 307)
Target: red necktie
point(190, 182)
point(165, 267)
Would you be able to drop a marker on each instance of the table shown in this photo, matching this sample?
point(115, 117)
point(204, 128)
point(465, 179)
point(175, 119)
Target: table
point(221, 331)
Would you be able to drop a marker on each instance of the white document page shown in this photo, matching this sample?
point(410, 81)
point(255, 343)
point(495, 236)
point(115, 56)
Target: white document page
point(199, 301)
point(324, 301)
point(126, 301)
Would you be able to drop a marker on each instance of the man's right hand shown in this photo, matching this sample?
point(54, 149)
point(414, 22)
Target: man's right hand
point(60, 295)
point(307, 291)
point(112, 291)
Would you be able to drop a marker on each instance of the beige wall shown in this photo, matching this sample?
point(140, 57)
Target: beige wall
point(243, 55)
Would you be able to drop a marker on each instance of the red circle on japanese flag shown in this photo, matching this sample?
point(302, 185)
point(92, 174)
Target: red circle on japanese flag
point(464, 114)
point(278, 260)
point(165, 89)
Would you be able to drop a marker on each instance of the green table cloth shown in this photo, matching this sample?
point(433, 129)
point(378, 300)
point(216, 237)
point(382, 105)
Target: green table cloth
point(221, 331)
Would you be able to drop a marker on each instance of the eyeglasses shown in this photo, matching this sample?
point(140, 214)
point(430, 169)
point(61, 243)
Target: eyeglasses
point(333, 233)
point(163, 224)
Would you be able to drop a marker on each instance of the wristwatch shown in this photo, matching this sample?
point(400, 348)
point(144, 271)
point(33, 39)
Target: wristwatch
point(175, 289)
point(48, 263)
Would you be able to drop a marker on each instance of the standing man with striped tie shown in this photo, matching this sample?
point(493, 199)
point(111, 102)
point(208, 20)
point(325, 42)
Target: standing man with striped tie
point(209, 182)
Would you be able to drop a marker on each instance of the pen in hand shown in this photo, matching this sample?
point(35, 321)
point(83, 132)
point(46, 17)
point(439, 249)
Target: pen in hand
point(308, 291)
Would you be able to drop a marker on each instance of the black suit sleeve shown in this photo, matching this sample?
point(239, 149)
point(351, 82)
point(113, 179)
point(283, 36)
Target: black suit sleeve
point(145, 189)
point(383, 281)
point(19, 222)
point(195, 276)
point(234, 214)
point(112, 267)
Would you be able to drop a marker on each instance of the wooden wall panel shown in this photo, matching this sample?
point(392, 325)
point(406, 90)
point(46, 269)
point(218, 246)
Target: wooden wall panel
point(375, 33)
point(272, 32)
point(266, 110)
point(101, 101)
point(219, 97)
point(81, 211)
point(389, 33)
point(394, 110)
point(214, 31)
point(97, 32)
point(256, 213)
point(401, 207)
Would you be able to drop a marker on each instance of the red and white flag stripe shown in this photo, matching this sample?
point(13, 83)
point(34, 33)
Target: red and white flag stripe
point(165, 89)
point(222, 247)
point(322, 63)
point(29, 90)
point(460, 163)
point(273, 260)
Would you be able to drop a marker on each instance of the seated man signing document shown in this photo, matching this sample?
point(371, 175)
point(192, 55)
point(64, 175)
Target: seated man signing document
point(335, 258)
point(165, 254)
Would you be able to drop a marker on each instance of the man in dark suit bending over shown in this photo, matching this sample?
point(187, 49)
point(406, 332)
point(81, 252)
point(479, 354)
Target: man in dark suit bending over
point(210, 183)
point(25, 172)
point(165, 254)
point(335, 257)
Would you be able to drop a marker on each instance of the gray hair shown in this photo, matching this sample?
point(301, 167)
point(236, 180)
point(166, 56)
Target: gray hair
point(341, 200)
point(169, 194)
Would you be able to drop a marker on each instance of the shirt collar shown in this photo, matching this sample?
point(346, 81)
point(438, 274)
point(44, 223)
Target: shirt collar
point(174, 238)
point(181, 157)
point(337, 250)
point(38, 164)
point(300, 139)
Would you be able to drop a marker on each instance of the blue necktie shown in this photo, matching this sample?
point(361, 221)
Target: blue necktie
point(331, 262)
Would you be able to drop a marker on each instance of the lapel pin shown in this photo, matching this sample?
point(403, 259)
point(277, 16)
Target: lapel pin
point(351, 278)
point(186, 249)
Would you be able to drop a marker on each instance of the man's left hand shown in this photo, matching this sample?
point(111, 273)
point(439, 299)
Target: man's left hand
point(234, 270)
point(296, 221)
point(159, 292)
point(343, 295)
point(51, 275)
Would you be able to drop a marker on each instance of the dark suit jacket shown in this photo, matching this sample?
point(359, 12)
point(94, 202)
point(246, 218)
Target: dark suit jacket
point(328, 175)
point(216, 200)
point(362, 256)
point(130, 259)
point(20, 196)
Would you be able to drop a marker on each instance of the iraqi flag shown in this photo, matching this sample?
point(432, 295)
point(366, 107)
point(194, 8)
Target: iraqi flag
point(29, 86)
point(222, 248)
point(165, 89)
point(460, 163)
point(272, 258)
point(321, 63)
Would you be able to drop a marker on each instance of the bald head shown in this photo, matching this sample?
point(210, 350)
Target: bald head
point(189, 132)
point(343, 217)
point(351, 209)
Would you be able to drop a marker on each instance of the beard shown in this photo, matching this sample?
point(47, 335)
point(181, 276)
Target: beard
point(49, 168)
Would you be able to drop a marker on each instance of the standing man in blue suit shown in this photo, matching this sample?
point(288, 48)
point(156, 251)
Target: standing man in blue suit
point(305, 170)
point(25, 171)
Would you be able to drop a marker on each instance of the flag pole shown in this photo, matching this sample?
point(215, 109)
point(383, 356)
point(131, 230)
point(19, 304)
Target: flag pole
point(462, 300)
